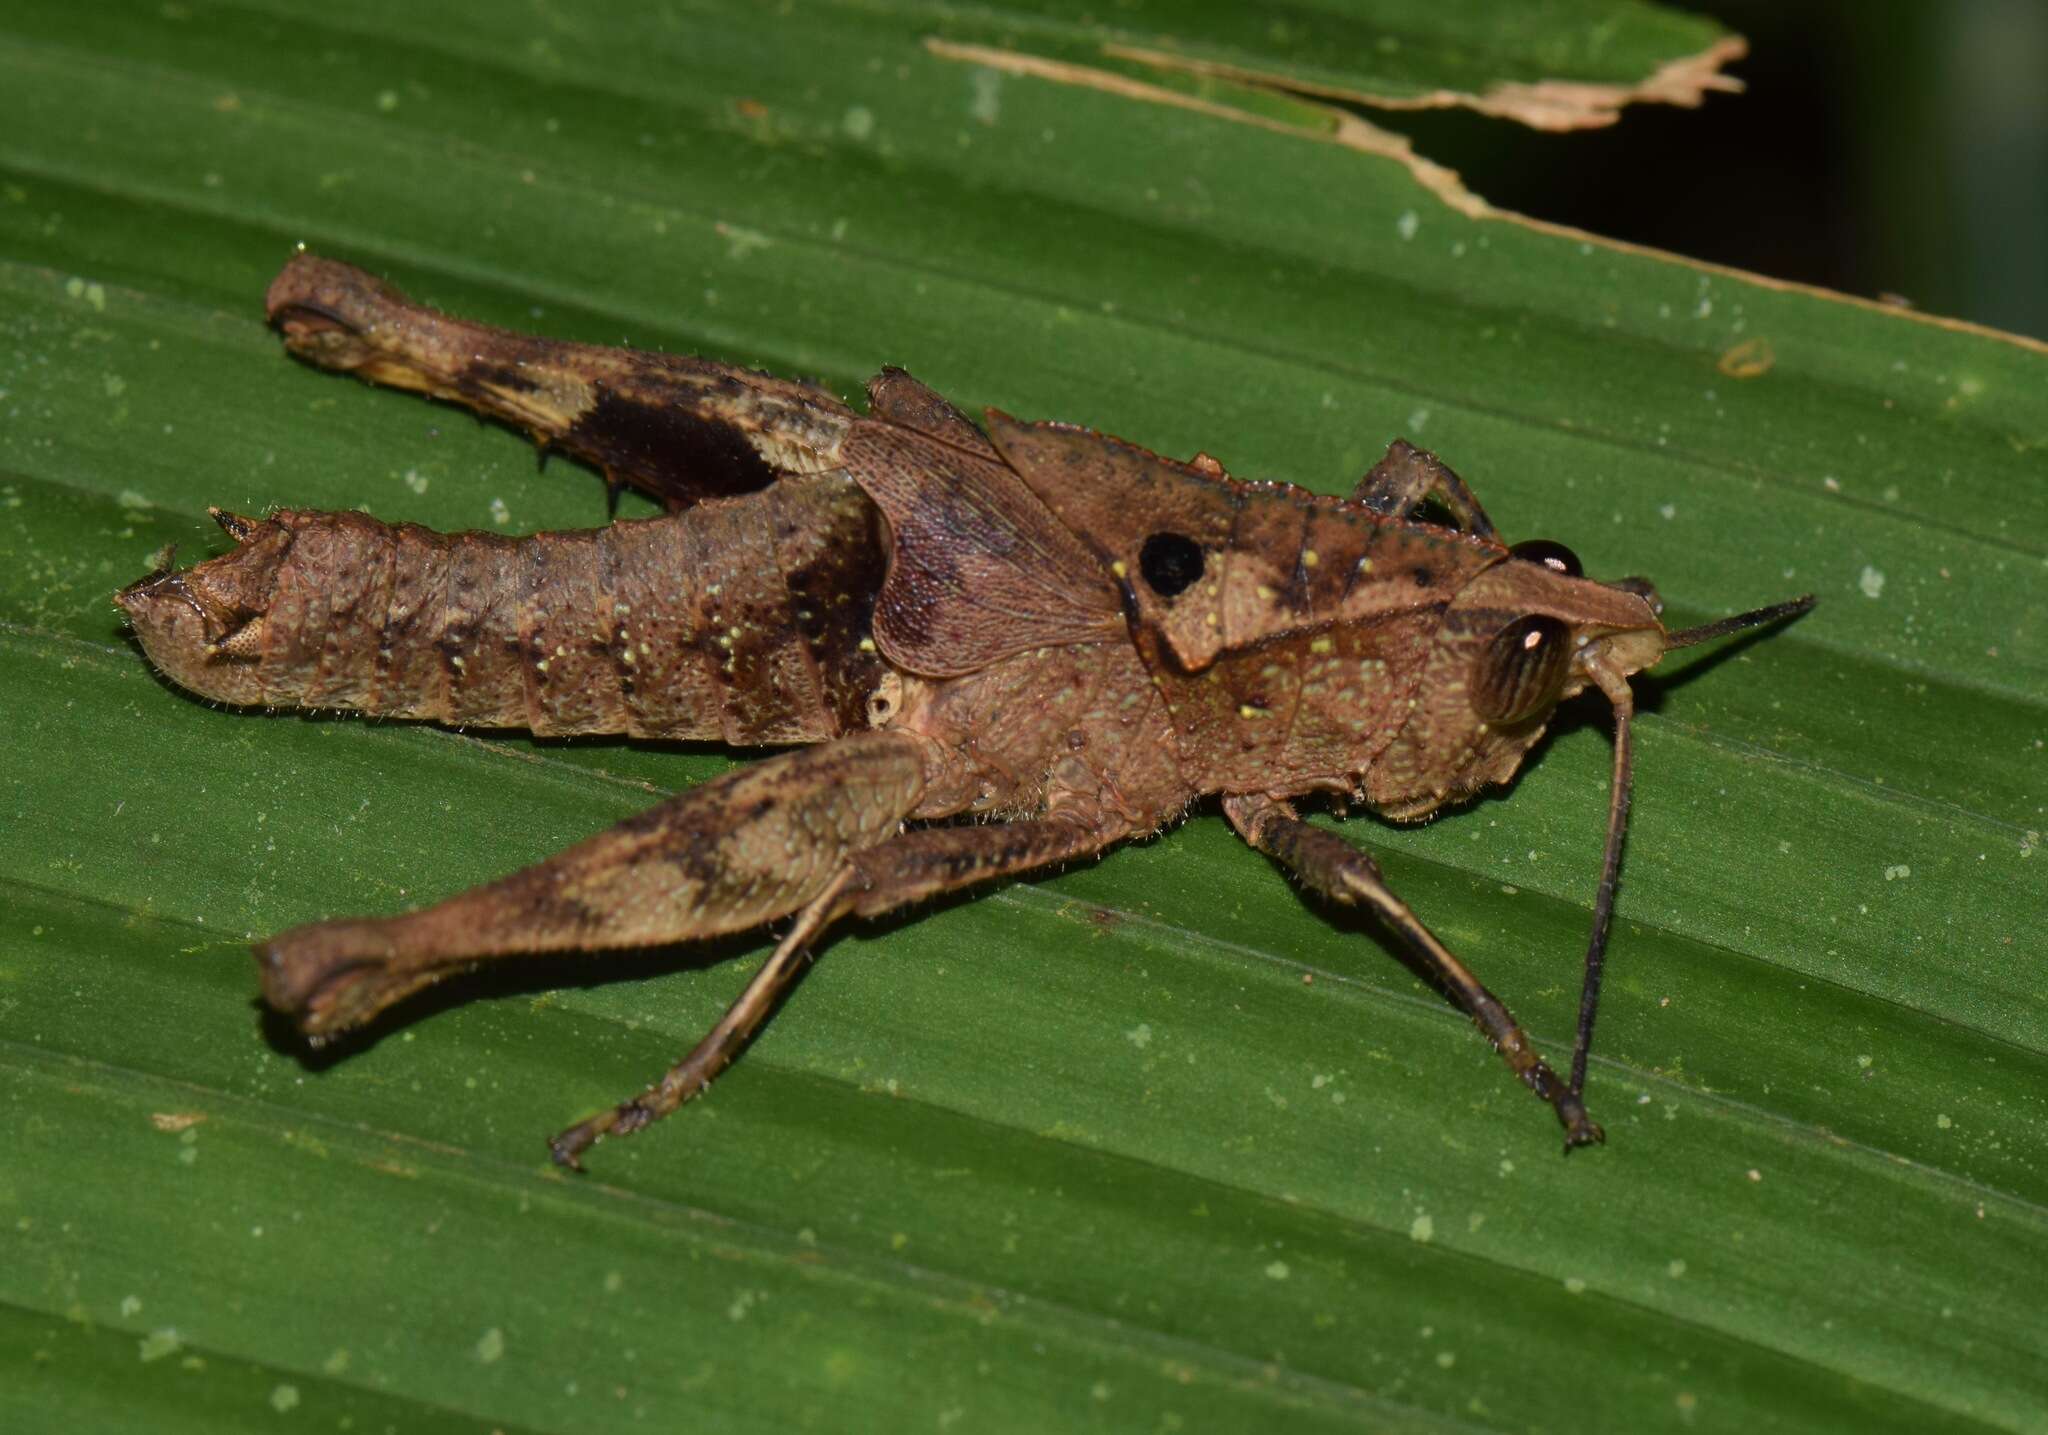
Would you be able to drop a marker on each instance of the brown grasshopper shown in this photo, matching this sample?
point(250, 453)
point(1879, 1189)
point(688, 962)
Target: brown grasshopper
point(1046, 629)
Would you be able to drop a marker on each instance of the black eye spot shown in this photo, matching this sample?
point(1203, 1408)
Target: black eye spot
point(1424, 577)
point(1554, 556)
point(1517, 675)
point(1170, 562)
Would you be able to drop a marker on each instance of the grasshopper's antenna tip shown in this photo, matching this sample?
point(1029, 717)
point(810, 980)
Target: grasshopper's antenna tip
point(1755, 618)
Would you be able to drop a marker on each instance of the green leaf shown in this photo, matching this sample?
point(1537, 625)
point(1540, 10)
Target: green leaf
point(1151, 1143)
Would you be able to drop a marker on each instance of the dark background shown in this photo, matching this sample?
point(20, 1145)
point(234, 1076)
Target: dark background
point(1882, 147)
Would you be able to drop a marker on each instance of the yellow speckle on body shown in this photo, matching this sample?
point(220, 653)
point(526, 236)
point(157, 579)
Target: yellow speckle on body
point(1309, 558)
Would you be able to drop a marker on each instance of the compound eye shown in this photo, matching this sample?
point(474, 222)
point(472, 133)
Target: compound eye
point(1554, 556)
point(1518, 674)
point(1170, 563)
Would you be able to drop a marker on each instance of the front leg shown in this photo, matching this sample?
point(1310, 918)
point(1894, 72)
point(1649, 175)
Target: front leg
point(1333, 867)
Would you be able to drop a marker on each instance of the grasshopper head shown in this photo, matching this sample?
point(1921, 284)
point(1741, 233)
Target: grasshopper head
point(1520, 637)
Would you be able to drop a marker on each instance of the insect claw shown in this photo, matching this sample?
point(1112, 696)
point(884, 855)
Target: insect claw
point(567, 1147)
point(1579, 1128)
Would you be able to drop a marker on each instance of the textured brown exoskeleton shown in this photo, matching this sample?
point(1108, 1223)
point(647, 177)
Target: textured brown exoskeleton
point(1032, 624)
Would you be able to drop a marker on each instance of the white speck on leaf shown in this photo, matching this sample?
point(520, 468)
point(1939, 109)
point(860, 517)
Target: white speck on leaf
point(1140, 1035)
point(1422, 1229)
point(1407, 224)
point(93, 294)
point(1278, 1271)
point(490, 1346)
point(1871, 582)
point(987, 105)
point(284, 1398)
